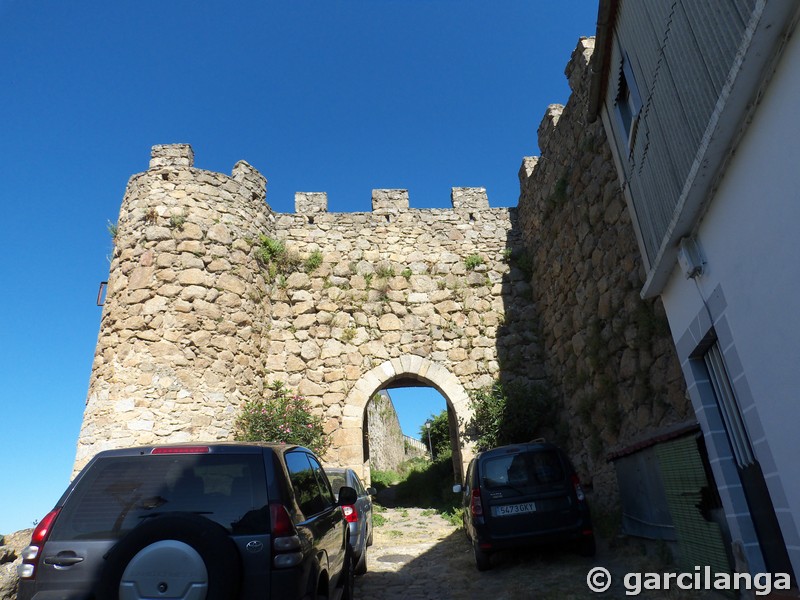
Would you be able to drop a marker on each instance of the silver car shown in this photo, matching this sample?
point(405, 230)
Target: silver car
point(358, 515)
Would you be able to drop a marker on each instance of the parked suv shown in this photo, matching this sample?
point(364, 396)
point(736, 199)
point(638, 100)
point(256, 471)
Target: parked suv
point(211, 521)
point(522, 495)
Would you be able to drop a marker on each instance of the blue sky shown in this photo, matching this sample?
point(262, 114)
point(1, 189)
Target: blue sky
point(336, 96)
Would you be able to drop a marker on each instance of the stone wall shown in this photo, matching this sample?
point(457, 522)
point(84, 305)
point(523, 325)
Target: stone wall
point(211, 296)
point(386, 442)
point(608, 354)
point(180, 343)
point(11, 547)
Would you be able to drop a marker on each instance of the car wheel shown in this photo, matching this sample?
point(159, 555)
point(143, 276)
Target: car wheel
point(361, 565)
point(369, 537)
point(348, 576)
point(172, 556)
point(483, 559)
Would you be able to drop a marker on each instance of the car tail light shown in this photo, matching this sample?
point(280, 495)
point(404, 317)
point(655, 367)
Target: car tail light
point(285, 541)
point(350, 513)
point(578, 489)
point(30, 555)
point(475, 504)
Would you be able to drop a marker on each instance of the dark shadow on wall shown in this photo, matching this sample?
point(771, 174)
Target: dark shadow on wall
point(521, 403)
point(607, 355)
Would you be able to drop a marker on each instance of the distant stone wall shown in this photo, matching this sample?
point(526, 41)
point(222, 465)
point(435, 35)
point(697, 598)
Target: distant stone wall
point(415, 448)
point(608, 354)
point(386, 441)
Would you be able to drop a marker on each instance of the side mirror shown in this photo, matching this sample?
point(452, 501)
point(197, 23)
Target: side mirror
point(372, 491)
point(347, 495)
point(457, 489)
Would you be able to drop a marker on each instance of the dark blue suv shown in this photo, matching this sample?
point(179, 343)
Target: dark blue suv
point(523, 495)
point(193, 522)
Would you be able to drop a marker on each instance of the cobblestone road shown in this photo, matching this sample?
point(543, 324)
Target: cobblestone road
point(417, 555)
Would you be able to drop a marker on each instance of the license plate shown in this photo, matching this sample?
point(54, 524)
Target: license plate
point(513, 509)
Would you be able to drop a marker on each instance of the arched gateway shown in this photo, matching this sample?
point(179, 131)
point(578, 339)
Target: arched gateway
point(410, 370)
point(211, 296)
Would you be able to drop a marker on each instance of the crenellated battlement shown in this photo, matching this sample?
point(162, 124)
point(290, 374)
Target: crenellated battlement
point(171, 155)
point(384, 201)
point(198, 318)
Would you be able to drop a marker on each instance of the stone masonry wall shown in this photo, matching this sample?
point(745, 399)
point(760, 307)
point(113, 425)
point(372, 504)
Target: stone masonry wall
point(180, 343)
point(197, 319)
point(609, 355)
point(398, 282)
point(386, 442)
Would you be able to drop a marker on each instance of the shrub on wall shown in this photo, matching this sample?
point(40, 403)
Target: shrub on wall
point(510, 414)
point(281, 416)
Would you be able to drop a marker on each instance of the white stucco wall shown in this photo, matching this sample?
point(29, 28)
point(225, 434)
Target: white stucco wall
point(750, 237)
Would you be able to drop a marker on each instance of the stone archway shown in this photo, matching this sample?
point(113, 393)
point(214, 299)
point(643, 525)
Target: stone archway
point(406, 367)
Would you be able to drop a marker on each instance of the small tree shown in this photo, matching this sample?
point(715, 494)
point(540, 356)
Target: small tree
point(510, 414)
point(281, 417)
point(440, 435)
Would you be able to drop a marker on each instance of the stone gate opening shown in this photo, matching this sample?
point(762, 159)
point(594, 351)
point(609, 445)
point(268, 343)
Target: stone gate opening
point(404, 424)
point(408, 371)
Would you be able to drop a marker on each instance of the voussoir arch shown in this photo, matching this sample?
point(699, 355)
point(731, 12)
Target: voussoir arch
point(427, 373)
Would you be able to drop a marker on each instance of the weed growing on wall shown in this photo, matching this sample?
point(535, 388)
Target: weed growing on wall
point(280, 416)
point(177, 221)
point(385, 270)
point(273, 254)
point(313, 261)
point(473, 261)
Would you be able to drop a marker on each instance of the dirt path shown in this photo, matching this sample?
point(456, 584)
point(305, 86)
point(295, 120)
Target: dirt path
point(417, 555)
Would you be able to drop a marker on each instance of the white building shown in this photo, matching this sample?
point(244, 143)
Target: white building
point(700, 103)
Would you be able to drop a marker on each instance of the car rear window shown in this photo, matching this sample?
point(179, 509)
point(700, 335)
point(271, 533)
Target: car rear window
point(522, 469)
point(118, 493)
point(337, 481)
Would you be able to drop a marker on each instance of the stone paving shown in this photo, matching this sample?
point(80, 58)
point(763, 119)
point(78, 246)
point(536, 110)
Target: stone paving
point(418, 555)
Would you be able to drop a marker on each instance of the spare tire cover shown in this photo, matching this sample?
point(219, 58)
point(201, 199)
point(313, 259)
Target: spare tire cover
point(178, 555)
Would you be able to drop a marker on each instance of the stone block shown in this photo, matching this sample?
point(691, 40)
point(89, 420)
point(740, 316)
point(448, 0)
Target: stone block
point(310, 203)
point(389, 201)
point(171, 155)
point(469, 198)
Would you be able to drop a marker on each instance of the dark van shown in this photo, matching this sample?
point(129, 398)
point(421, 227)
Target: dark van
point(523, 495)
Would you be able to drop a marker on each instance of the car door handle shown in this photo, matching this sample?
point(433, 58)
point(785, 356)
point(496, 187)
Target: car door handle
point(62, 561)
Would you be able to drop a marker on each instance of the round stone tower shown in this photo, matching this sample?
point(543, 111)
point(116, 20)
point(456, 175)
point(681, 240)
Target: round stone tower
point(180, 338)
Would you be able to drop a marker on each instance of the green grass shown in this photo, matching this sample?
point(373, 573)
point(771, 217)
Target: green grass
point(423, 484)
